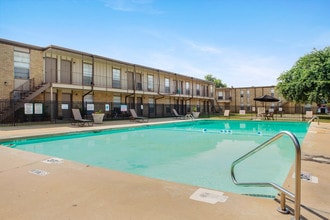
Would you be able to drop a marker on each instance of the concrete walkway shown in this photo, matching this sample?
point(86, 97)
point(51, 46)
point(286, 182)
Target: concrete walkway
point(71, 190)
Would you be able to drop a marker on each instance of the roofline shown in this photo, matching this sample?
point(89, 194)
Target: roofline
point(248, 87)
point(19, 44)
point(15, 43)
point(119, 61)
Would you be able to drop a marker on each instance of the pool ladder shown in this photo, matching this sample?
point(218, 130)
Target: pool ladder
point(297, 196)
point(313, 118)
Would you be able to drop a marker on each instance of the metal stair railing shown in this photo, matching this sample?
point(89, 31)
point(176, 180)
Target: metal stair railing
point(297, 196)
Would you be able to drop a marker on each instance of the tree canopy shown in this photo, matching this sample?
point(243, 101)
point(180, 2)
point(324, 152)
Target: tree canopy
point(308, 80)
point(218, 83)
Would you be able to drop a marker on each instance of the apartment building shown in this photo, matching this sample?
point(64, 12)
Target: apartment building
point(242, 98)
point(61, 79)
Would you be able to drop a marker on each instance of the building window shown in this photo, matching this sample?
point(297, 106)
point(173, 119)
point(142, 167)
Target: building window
point(198, 89)
point(150, 83)
point(87, 74)
point(180, 88)
point(21, 65)
point(187, 88)
point(211, 91)
point(116, 78)
point(138, 79)
point(167, 85)
point(272, 92)
point(248, 96)
point(220, 96)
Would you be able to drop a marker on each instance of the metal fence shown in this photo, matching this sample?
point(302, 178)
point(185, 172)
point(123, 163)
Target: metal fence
point(14, 113)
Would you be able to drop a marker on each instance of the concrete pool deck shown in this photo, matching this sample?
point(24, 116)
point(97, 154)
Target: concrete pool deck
point(72, 190)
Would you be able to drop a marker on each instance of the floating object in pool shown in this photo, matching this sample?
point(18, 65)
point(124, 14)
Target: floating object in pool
point(259, 133)
point(204, 130)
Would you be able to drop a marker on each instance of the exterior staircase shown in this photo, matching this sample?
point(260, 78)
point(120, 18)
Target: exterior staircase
point(18, 97)
point(30, 95)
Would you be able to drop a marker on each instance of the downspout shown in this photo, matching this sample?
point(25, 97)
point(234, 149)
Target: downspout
point(51, 102)
point(158, 92)
point(92, 85)
point(134, 83)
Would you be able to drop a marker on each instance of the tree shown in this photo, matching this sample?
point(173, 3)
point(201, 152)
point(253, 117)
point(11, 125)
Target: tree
point(308, 80)
point(218, 83)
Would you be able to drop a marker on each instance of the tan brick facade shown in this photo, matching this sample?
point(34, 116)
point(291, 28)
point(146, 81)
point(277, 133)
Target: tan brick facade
point(63, 70)
point(36, 66)
point(6, 70)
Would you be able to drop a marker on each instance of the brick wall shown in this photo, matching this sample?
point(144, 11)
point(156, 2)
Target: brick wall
point(6, 70)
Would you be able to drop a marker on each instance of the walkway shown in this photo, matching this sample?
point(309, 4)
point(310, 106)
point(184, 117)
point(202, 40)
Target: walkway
point(77, 191)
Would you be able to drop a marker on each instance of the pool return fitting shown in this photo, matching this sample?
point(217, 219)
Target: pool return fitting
point(283, 192)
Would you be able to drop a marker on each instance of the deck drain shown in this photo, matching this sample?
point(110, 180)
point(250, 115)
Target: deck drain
point(53, 160)
point(306, 176)
point(39, 172)
point(208, 196)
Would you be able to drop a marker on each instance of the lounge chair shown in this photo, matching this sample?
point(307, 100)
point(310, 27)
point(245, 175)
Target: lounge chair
point(135, 117)
point(78, 120)
point(177, 116)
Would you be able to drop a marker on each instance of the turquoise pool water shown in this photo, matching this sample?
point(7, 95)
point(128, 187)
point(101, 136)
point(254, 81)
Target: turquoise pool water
point(192, 152)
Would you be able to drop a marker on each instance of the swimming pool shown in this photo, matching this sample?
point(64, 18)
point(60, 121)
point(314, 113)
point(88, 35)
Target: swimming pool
point(192, 152)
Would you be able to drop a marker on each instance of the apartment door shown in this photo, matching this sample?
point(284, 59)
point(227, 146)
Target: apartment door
point(139, 105)
point(130, 81)
point(131, 103)
point(65, 72)
point(66, 105)
point(50, 70)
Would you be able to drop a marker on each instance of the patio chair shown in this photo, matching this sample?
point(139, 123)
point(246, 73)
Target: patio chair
point(261, 112)
point(269, 115)
point(135, 117)
point(177, 116)
point(78, 120)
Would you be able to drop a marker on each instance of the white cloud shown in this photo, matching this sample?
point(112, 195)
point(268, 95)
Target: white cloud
point(202, 48)
point(235, 68)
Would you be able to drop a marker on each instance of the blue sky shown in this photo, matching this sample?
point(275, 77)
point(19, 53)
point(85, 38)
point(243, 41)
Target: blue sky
point(241, 42)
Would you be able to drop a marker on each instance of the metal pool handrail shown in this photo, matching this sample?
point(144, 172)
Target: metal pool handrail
point(297, 195)
point(314, 117)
